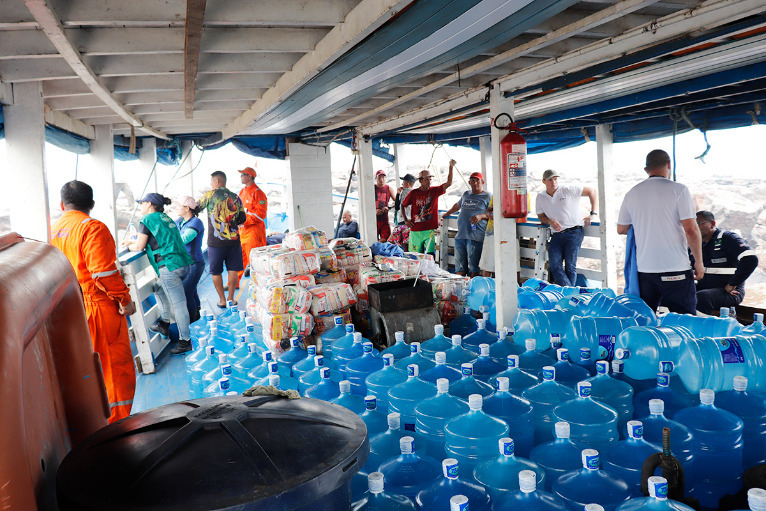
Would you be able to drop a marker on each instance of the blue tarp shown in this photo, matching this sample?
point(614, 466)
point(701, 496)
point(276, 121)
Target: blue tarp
point(274, 147)
point(377, 149)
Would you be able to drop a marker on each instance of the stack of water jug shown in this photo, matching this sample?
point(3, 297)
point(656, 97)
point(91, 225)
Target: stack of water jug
point(562, 412)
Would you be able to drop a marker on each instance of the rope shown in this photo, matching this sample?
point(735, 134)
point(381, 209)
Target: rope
point(455, 168)
point(754, 113)
point(135, 208)
point(675, 117)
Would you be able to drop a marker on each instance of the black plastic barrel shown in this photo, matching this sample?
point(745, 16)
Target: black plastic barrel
point(243, 453)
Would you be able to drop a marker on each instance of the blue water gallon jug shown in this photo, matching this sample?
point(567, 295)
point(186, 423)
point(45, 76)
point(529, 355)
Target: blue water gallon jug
point(416, 358)
point(536, 284)
point(457, 355)
point(555, 343)
point(613, 393)
point(533, 361)
point(602, 306)
point(752, 410)
point(642, 348)
point(646, 316)
point(712, 363)
point(656, 501)
point(500, 475)
point(220, 388)
point(540, 325)
point(351, 353)
point(359, 369)
point(438, 495)
point(481, 336)
point(274, 368)
point(591, 485)
point(625, 458)
point(400, 349)
point(379, 382)
point(440, 370)
point(326, 389)
point(618, 373)
point(576, 305)
point(222, 343)
point(485, 367)
point(585, 360)
point(516, 412)
point(710, 326)
point(541, 300)
point(468, 385)
point(329, 337)
point(439, 342)
point(201, 326)
point(410, 472)
point(718, 444)
point(295, 354)
point(261, 370)
point(376, 498)
point(518, 380)
point(307, 364)
point(372, 417)
point(756, 327)
point(235, 385)
point(385, 446)
point(240, 350)
point(591, 423)
point(209, 380)
point(403, 397)
point(544, 397)
point(598, 334)
point(673, 399)
point(528, 497)
point(432, 414)
point(481, 292)
point(464, 324)
point(681, 440)
point(311, 378)
point(504, 347)
point(199, 370)
point(559, 456)
point(341, 343)
point(346, 399)
point(472, 438)
point(567, 373)
point(196, 355)
point(275, 381)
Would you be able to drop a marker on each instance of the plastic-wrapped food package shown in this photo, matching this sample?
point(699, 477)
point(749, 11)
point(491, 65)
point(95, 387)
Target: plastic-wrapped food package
point(373, 274)
point(283, 299)
point(406, 265)
point(448, 310)
point(452, 289)
point(362, 298)
point(352, 275)
point(283, 326)
point(298, 280)
point(417, 255)
point(301, 262)
point(330, 298)
point(327, 260)
point(306, 238)
point(350, 252)
point(256, 252)
point(260, 260)
point(325, 322)
point(330, 277)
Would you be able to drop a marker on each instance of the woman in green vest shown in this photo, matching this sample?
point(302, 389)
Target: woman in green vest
point(159, 235)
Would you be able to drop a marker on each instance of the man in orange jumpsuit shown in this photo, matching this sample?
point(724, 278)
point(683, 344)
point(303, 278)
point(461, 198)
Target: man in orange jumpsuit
point(90, 248)
point(253, 232)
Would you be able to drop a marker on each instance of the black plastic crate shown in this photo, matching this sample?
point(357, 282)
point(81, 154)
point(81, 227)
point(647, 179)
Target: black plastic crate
point(400, 295)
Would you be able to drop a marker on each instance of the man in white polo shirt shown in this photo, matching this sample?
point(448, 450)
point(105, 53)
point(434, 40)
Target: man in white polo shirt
point(559, 207)
point(664, 223)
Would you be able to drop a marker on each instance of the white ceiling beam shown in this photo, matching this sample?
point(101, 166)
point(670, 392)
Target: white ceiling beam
point(74, 102)
point(259, 39)
point(118, 13)
point(236, 81)
point(178, 107)
point(246, 96)
point(312, 13)
point(365, 18)
point(195, 16)
point(90, 113)
point(200, 115)
point(248, 62)
point(52, 27)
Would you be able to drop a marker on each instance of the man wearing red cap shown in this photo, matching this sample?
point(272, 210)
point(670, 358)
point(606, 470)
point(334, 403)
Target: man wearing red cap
point(383, 196)
point(471, 225)
point(252, 233)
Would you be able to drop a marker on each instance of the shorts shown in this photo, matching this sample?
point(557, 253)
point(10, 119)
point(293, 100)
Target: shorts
point(423, 242)
point(230, 254)
point(487, 261)
point(384, 229)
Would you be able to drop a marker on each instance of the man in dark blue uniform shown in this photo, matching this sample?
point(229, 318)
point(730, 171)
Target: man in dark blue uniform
point(728, 261)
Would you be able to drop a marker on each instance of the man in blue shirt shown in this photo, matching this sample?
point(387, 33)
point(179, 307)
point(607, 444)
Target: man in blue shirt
point(470, 226)
point(348, 228)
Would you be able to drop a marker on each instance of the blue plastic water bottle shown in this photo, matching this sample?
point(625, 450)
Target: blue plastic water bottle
point(261, 370)
point(464, 324)
point(211, 377)
point(311, 378)
point(590, 485)
point(481, 336)
point(558, 456)
point(540, 325)
point(440, 370)
point(373, 419)
point(385, 446)
point(591, 423)
point(307, 364)
point(516, 412)
point(567, 373)
point(240, 350)
point(399, 349)
point(359, 369)
point(254, 333)
point(615, 394)
point(329, 337)
point(379, 382)
point(528, 497)
point(642, 348)
point(432, 414)
point(756, 327)
point(586, 361)
point(237, 326)
point(221, 388)
point(351, 353)
point(710, 326)
point(625, 458)
point(504, 347)
point(376, 498)
point(214, 387)
point(195, 356)
point(438, 495)
point(403, 397)
point(472, 438)
point(500, 475)
point(485, 367)
point(603, 306)
point(544, 397)
point(555, 343)
point(533, 361)
point(536, 284)
point(288, 384)
point(230, 313)
point(222, 344)
point(539, 300)
point(674, 400)
point(518, 380)
point(618, 373)
point(457, 355)
point(237, 385)
point(637, 305)
point(481, 292)
point(416, 358)
point(656, 501)
point(439, 342)
point(597, 334)
point(752, 410)
point(681, 440)
point(341, 343)
point(346, 399)
point(410, 472)
point(253, 359)
point(326, 389)
point(201, 327)
point(717, 438)
point(468, 385)
point(295, 354)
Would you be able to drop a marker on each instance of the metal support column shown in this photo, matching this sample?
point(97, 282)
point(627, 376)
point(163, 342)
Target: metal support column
point(98, 172)
point(147, 156)
point(367, 225)
point(606, 206)
point(485, 151)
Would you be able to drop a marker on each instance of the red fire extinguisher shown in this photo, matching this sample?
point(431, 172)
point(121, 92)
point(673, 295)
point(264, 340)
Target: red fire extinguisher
point(513, 169)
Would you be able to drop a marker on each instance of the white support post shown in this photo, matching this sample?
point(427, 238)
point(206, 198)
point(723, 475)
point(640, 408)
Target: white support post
point(98, 172)
point(397, 169)
point(506, 242)
point(367, 224)
point(309, 189)
point(147, 158)
point(25, 168)
point(485, 151)
point(606, 206)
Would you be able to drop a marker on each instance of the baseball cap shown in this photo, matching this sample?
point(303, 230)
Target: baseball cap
point(380, 173)
point(425, 173)
point(188, 201)
point(154, 198)
point(549, 174)
point(248, 170)
point(477, 175)
point(409, 178)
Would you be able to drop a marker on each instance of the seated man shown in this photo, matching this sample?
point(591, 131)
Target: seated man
point(348, 227)
point(728, 261)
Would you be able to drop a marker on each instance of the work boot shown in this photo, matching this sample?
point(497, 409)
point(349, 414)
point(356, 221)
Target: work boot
point(161, 327)
point(182, 346)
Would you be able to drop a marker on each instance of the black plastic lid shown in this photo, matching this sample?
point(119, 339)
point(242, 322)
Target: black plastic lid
point(216, 454)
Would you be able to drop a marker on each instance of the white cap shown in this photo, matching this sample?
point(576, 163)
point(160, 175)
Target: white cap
point(442, 385)
point(756, 499)
point(502, 333)
point(584, 353)
point(440, 357)
point(439, 329)
point(457, 340)
point(530, 344)
point(318, 360)
point(707, 396)
point(466, 369)
point(357, 336)
point(583, 389)
point(414, 347)
point(513, 361)
point(273, 368)
point(224, 384)
point(370, 402)
point(209, 350)
point(274, 380)
point(602, 367)
point(475, 401)
point(242, 315)
point(594, 507)
point(507, 446)
point(635, 429)
point(656, 406)
point(617, 366)
point(549, 373)
point(324, 372)
point(203, 342)
point(311, 348)
point(658, 487)
point(413, 370)
point(590, 459)
point(223, 358)
point(345, 386)
point(757, 318)
point(458, 503)
point(202, 313)
point(394, 420)
point(484, 350)
point(740, 383)
point(399, 335)
point(367, 347)
point(388, 359)
point(375, 482)
point(724, 312)
point(561, 429)
point(450, 468)
point(621, 353)
point(338, 320)
point(267, 356)
point(503, 384)
point(481, 324)
point(406, 444)
point(562, 354)
point(527, 481)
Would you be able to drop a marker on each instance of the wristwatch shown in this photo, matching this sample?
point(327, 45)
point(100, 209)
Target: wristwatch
point(593, 213)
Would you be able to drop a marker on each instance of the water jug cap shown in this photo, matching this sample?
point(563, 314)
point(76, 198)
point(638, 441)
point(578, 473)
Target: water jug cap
point(252, 347)
point(344, 386)
point(439, 329)
point(481, 324)
point(413, 370)
point(527, 481)
point(621, 353)
point(415, 347)
point(757, 317)
point(318, 360)
point(249, 321)
point(440, 357)
point(457, 340)
point(267, 357)
point(756, 499)
point(213, 328)
point(507, 446)
point(242, 338)
point(230, 303)
point(562, 354)
point(458, 503)
point(226, 369)
point(466, 369)
point(549, 373)
point(594, 507)
point(466, 310)
point(656, 406)
point(658, 487)
point(502, 334)
point(338, 320)
point(209, 350)
point(375, 482)
point(707, 396)
point(294, 342)
point(584, 353)
point(442, 385)
point(210, 316)
point(484, 350)
point(370, 403)
point(367, 347)
point(407, 444)
point(561, 429)
point(555, 338)
point(388, 359)
point(740, 383)
point(663, 379)
point(590, 459)
point(324, 372)
point(274, 380)
point(503, 384)
point(242, 315)
point(399, 336)
point(635, 429)
point(724, 312)
point(666, 366)
point(203, 313)
point(394, 420)
point(224, 384)
point(357, 337)
point(223, 358)
point(583, 389)
point(617, 366)
point(530, 344)
point(450, 468)
point(475, 401)
point(513, 361)
point(273, 368)
point(203, 342)
point(349, 328)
